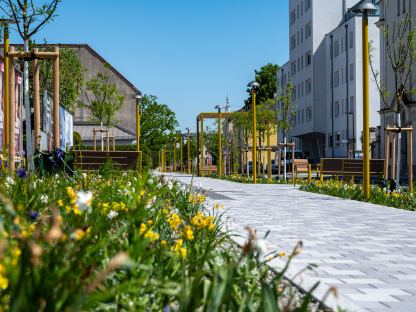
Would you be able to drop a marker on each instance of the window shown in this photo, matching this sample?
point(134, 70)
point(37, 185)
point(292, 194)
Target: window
point(293, 68)
point(294, 93)
point(298, 36)
point(336, 48)
point(301, 35)
point(302, 88)
point(352, 105)
point(293, 42)
point(336, 109)
point(351, 39)
point(308, 114)
point(338, 137)
point(301, 62)
point(329, 140)
point(298, 64)
point(308, 30)
point(308, 86)
point(292, 17)
point(308, 58)
point(398, 7)
point(298, 12)
point(342, 76)
point(336, 79)
point(404, 6)
point(307, 4)
point(299, 117)
point(301, 8)
point(303, 115)
point(351, 72)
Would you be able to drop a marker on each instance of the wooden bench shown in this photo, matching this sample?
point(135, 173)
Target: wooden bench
point(349, 167)
point(94, 160)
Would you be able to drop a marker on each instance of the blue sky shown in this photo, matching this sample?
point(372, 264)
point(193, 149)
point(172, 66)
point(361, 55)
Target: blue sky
point(189, 53)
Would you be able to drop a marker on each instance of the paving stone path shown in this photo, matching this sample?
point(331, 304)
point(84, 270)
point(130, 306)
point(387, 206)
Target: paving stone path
point(368, 252)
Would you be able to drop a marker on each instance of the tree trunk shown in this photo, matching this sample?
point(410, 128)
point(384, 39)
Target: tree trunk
point(399, 151)
point(29, 150)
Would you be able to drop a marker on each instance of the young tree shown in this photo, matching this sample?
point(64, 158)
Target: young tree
point(71, 76)
point(287, 113)
point(158, 124)
point(400, 49)
point(104, 100)
point(242, 125)
point(266, 77)
point(29, 17)
point(266, 122)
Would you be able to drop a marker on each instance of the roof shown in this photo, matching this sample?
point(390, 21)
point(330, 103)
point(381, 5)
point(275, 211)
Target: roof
point(85, 130)
point(93, 52)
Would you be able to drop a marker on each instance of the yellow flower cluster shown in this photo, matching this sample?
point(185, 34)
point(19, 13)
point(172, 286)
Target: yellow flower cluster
point(189, 234)
point(4, 282)
point(178, 249)
point(201, 221)
point(115, 206)
point(80, 233)
point(146, 231)
point(73, 200)
point(174, 221)
point(196, 199)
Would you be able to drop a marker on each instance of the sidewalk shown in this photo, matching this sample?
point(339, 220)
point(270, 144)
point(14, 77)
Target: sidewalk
point(368, 252)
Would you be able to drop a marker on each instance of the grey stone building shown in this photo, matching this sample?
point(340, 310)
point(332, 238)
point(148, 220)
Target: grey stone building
point(124, 127)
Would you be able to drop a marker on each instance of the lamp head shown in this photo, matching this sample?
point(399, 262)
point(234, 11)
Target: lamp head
point(365, 7)
point(253, 85)
point(218, 107)
point(138, 97)
point(6, 21)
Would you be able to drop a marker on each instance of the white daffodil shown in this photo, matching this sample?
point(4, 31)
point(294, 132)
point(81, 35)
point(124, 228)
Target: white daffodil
point(169, 185)
point(84, 200)
point(44, 199)
point(112, 214)
point(261, 246)
point(10, 181)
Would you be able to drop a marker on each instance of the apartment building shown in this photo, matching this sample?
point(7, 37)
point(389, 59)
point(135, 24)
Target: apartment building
point(317, 68)
point(393, 13)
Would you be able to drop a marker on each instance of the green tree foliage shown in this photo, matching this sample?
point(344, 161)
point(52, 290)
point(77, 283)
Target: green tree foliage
point(266, 77)
point(266, 120)
point(287, 109)
point(104, 99)
point(158, 125)
point(71, 80)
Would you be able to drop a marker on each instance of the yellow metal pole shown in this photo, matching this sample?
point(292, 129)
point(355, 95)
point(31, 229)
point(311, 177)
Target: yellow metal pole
point(269, 158)
point(189, 152)
point(366, 111)
point(6, 87)
point(253, 108)
point(56, 98)
point(219, 144)
point(163, 161)
point(181, 152)
point(138, 122)
point(410, 160)
point(202, 148)
point(174, 156)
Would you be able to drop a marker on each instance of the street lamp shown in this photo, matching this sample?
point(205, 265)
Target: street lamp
point(365, 8)
point(189, 150)
point(254, 86)
point(138, 99)
point(219, 171)
point(181, 151)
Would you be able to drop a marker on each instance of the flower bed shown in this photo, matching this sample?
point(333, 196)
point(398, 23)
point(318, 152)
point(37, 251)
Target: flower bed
point(399, 199)
point(244, 179)
point(118, 242)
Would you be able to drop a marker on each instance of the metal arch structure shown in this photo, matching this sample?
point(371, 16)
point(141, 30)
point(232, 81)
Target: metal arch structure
point(200, 137)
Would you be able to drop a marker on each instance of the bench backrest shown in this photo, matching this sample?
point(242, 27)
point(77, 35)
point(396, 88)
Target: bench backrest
point(301, 165)
point(94, 160)
point(331, 165)
point(346, 166)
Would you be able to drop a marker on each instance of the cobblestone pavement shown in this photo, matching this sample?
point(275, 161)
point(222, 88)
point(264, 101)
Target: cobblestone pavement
point(368, 252)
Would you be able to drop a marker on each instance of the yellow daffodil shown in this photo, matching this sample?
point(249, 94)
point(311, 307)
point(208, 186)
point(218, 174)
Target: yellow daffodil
point(189, 234)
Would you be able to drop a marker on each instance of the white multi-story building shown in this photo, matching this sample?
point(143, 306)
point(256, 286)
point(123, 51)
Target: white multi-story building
point(325, 36)
point(393, 13)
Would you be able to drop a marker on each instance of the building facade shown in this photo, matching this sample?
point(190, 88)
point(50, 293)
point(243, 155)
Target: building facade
point(393, 14)
point(325, 70)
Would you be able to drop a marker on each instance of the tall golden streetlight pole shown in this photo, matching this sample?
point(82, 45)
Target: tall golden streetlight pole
point(365, 8)
point(5, 23)
point(219, 171)
point(254, 86)
point(138, 98)
point(189, 150)
point(181, 151)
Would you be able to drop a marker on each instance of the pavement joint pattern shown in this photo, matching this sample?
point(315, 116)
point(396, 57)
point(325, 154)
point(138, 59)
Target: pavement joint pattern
point(366, 251)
